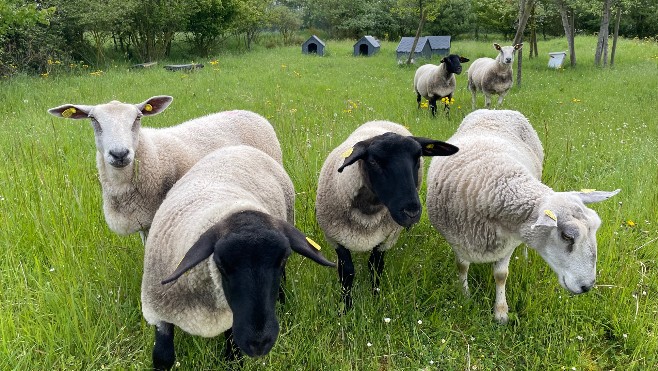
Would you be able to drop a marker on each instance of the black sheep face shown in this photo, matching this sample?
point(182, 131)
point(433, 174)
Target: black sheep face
point(390, 165)
point(250, 250)
point(454, 63)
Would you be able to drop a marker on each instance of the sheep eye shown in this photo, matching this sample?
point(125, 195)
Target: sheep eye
point(567, 238)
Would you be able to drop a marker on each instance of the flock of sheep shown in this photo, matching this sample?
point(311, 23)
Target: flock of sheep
point(215, 206)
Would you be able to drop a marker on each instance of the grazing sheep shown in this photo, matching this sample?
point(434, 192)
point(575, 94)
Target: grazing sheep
point(364, 207)
point(436, 82)
point(492, 76)
point(488, 198)
point(217, 250)
point(137, 166)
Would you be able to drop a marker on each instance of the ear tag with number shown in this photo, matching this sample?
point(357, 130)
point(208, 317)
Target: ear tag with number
point(347, 153)
point(68, 112)
point(550, 214)
point(313, 243)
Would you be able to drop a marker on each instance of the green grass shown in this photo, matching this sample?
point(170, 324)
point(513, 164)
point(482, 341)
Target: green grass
point(70, 287)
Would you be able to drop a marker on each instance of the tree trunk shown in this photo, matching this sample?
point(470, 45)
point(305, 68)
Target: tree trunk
point(602, 44)
point(568, 25)
point(616, 34)
point(420, 29)
point(524, 13)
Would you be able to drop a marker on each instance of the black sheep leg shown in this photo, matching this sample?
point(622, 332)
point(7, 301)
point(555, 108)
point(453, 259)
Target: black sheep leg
point(282, 294)
point(346, 275)
point(433, 106)
point(163, 351)
point(231, 351)
point(418, 99)
point(376, 265)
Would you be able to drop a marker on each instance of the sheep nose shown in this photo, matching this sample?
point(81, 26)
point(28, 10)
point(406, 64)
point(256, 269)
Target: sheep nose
point(508, 60)
point(586, 288)
point(413, 213)
point(260, 347)
point(119, 155)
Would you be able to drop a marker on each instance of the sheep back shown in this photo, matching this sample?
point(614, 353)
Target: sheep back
point(468, 201)
point(224, 182)
point(341, 222)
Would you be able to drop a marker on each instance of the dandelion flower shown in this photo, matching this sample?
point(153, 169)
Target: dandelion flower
point(630, 223)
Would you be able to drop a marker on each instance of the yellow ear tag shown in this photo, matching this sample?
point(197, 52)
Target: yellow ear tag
point(68, 112)
point(587, 190)
point(430, 146)
point(347, 153)
point(550, 214)
point(148, 107)
point(313, 243)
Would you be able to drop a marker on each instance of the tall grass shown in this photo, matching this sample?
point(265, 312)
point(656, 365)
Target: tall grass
point(70, 287)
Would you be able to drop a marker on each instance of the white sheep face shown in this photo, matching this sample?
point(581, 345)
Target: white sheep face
point(116, 126)
point(564, 234)
point(506, 53)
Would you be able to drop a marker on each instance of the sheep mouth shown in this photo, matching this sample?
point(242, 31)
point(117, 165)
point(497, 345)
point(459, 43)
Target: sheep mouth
point(120, 164)
point(564, 284)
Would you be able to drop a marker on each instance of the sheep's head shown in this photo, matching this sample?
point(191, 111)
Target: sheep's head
point(250, 250)
point(506, 53)
point(391, 166)
point(564, 234)
point(453, 63)
point(116, 125)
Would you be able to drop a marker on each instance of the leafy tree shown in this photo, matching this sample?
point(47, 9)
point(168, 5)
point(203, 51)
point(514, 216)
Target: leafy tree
point(286, 20)
point(251, 18)
point(208, 21)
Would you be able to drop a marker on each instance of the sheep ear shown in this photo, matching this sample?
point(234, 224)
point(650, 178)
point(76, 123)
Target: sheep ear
point(589, 196)
point(518, 46)
point(463, 59)
point(433, 147)
point(547, 218)
point(154, 105)
point(497, 46)
point(71, 111)
point(304, 246)
point(444, 60)
point(353, 154)
point(199, 252)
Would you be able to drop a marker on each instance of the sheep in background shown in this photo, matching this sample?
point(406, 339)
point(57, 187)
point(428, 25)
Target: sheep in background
point(368, 191)
point(137, 166)
point(492, 76)
point(217, 251)
point(488, 199)
point(437, 82)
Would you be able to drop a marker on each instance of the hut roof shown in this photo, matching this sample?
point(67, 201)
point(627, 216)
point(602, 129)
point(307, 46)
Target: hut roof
point(439, 42)
point(407, 42)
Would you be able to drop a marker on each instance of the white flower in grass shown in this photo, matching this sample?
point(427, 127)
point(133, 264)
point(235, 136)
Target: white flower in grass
point(420, 322)
point(369, 344)
point(579, 338)
point(387, 320)
point(52, 269)
point(443, 341)
point(625, 336)
point(431, 362)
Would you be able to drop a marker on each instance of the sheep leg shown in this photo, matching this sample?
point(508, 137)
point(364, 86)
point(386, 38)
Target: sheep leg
point(433, 105)
point(346, 275)
point(376, 265)
point(473, 99)
point(231, 351)
point(462, 266)
point(418, 99)
point(500, 272)
point(164, 355)
point(143, 234)
point(487, 101)
point(500, 98)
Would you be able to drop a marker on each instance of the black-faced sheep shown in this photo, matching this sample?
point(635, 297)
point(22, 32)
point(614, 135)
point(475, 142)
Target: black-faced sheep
point(137, 166)
point(434, 82)
point(217, 251)
point(488, 199)
point(368, 191)
point(492, 76)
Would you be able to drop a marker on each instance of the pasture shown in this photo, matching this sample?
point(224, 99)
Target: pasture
point(71, 288)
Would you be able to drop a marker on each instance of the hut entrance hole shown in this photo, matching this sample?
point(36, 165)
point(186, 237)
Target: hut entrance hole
point(312, 48)
point(363, 49)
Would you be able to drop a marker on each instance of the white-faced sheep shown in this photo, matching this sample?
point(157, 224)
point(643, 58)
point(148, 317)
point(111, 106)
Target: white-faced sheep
point(364, 207)
point(137, 166)
point(492, 76)
point(488, 199)
point(437, 82)
point(217, 251)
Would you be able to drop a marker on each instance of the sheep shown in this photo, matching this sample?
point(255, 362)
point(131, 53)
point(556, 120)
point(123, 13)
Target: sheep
point(236, 205)
point(489, 198)
point(137, 166)
point(364, 207)
point(492, 76)
point(437, 82)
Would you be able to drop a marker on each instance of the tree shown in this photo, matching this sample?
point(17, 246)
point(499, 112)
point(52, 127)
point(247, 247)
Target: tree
point(208, 21)
point(286, 21)
point(525, 8)
point(567, 15)
point(604, 31)
point(250, 19)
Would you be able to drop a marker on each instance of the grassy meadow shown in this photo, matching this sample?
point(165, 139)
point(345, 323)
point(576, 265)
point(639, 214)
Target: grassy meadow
point(70, 296)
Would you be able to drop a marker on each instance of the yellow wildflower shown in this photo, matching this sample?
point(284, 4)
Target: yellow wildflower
point(214, 62)
point(630, 223)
